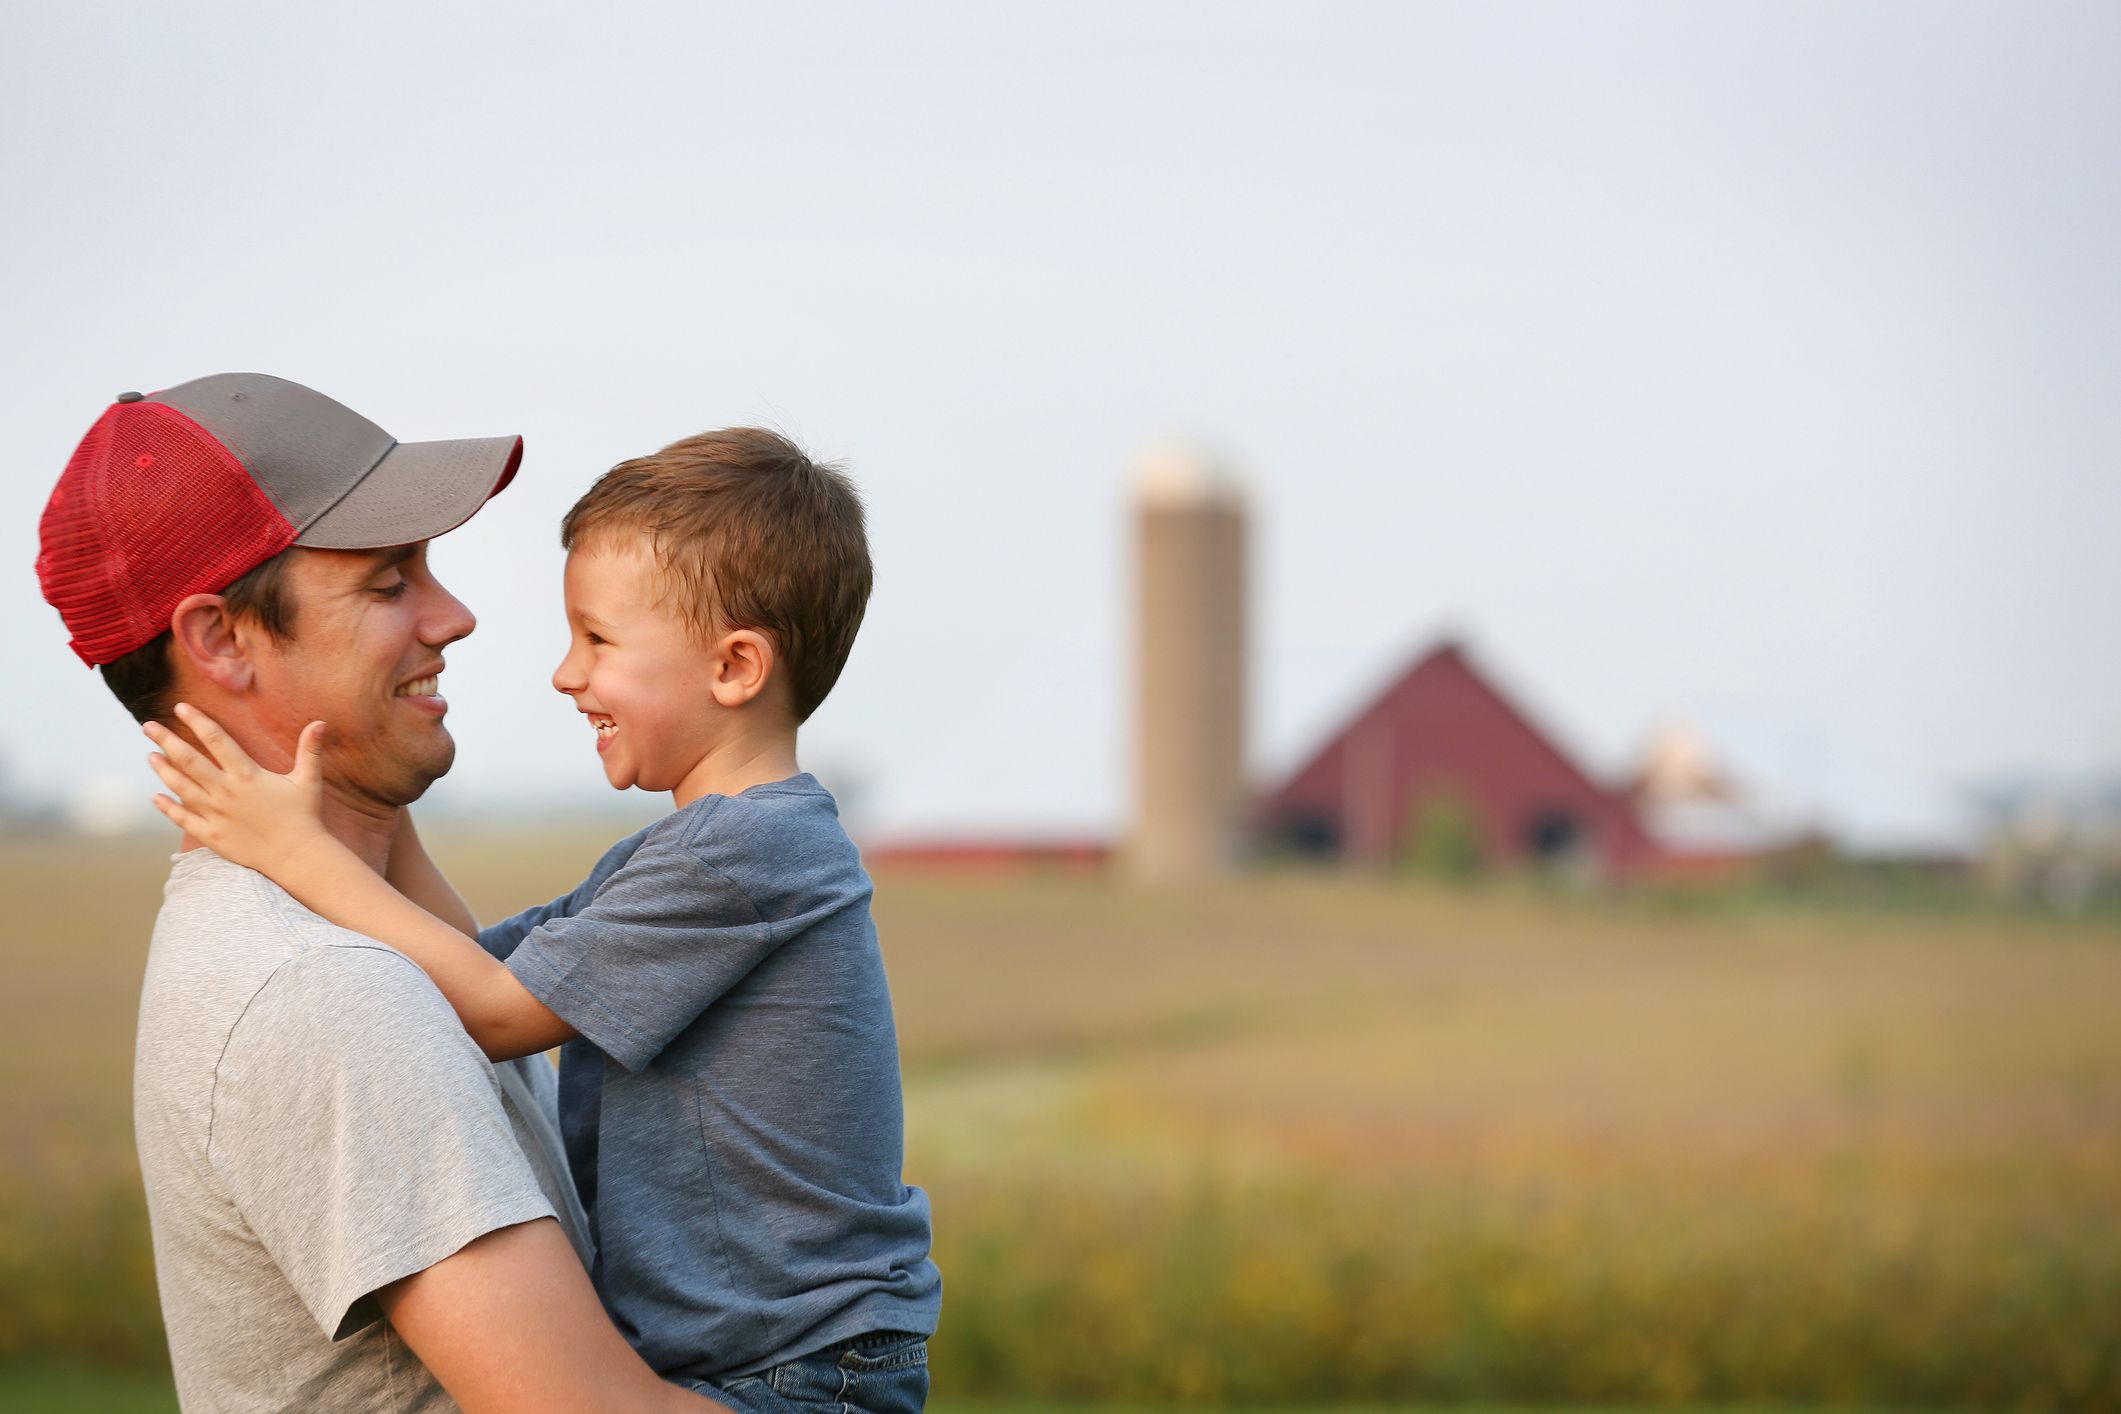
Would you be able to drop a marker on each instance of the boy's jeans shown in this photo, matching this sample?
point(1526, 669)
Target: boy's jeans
point(883, 1373)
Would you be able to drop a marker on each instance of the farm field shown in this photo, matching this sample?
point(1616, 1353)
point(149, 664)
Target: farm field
point(75, 1391)
point(64, 1390)
point(1310, 1140)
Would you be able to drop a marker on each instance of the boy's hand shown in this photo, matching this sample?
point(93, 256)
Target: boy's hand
point(226, 801)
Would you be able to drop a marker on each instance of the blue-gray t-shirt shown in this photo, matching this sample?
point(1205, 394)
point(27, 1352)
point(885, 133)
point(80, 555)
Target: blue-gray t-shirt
point(732, 1110)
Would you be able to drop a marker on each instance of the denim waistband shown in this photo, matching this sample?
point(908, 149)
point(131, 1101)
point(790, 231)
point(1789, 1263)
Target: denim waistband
point(874, 1340)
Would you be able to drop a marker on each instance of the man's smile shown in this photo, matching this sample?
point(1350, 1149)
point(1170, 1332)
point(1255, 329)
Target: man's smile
point(424, 692)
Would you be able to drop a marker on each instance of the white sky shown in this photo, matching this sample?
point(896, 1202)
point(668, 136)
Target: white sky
point(1754, 364)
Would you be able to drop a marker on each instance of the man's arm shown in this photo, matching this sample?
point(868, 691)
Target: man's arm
point(364, 1143)
point(412, 873)
point(510, 1323)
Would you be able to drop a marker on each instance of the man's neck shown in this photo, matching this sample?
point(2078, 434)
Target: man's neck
point(363, 827)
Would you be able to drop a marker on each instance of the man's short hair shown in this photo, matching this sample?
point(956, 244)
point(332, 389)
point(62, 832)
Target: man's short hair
point(749, 532)
point(142, 678)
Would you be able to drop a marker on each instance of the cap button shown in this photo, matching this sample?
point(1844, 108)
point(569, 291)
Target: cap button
point(128, 397)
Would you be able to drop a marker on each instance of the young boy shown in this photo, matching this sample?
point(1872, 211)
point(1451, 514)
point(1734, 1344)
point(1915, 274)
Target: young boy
point(729, 1074)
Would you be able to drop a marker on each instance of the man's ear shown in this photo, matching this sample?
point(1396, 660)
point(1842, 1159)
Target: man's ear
point(208, 637)
point(743, 664)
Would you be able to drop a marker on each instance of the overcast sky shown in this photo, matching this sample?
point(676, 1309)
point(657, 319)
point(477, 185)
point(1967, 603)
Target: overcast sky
point(1755, 365)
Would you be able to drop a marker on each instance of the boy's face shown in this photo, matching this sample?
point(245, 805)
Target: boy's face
point(635, 669)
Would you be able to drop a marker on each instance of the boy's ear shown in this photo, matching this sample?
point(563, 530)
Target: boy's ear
point(208, 637)
point(744, 661)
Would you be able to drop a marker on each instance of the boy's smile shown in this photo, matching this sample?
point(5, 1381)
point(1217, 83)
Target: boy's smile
point(635, 670)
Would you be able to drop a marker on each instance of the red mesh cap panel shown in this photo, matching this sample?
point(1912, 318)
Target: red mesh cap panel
point(151, 508)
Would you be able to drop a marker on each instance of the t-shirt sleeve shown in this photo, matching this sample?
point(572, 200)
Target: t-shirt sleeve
point(501, 939)
point(666, 936)
point(360, 1131)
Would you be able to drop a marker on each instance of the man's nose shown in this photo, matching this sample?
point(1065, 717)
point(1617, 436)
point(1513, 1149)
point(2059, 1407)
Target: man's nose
point(445, 619)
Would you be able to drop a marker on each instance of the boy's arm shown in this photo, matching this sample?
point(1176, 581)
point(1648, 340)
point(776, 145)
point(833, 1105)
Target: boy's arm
point(498, 1011)
point(503, 938)
point(271, 823)
point(667, 935)
point(413, 873)
point(664, 936)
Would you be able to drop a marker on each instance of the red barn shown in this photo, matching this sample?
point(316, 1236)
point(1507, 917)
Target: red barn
point(1443, 737)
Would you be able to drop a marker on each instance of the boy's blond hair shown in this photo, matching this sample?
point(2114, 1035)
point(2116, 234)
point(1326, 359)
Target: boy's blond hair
point(749, 533)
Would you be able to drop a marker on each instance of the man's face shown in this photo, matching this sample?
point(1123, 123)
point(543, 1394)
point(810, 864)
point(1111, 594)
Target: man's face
point(369, 629)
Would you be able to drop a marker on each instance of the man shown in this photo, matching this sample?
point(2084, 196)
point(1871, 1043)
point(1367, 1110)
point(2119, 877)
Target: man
point(335, 1175)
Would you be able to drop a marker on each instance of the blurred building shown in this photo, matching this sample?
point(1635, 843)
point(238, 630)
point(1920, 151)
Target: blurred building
point(1190, 668)
point(1705, 823)
point(1442, 771)
point(2053, 843)
point(1443, 764)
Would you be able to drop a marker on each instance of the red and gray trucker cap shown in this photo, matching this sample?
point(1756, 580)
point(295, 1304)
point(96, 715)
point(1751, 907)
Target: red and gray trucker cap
point(187, 490)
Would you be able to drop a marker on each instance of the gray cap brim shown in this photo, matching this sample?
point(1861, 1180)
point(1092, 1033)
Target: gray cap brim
point(417, 491)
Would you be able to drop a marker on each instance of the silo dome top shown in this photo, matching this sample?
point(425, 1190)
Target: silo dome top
point(1179, 474)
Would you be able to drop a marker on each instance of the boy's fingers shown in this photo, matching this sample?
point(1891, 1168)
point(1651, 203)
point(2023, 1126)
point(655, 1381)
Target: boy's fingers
point(192, 761)
point(309, 754)
point(180, 817)
point(172, 775)
point(230, 757)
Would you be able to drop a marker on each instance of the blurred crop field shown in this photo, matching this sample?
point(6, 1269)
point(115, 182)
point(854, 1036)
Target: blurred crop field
point(1308, 1140)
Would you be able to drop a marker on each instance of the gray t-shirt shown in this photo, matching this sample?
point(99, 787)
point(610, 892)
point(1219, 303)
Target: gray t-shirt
point(314, 1124)
point(733, 1110)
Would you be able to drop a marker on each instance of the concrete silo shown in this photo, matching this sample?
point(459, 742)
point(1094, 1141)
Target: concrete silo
point(1189, 737)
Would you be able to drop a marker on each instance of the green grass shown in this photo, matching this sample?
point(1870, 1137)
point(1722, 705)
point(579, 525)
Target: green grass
point(64, 1389)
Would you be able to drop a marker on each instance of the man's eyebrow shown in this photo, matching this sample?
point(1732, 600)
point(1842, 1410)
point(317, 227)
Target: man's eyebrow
point(396, 555)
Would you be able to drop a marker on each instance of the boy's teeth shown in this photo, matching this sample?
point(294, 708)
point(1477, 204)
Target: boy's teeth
point(420, 687)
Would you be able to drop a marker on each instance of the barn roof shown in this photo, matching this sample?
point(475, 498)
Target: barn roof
point(1443, 724)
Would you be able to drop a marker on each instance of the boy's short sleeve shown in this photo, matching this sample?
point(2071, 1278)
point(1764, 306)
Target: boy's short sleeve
point(360, 1132)
point(501, 939)
point(666, 935)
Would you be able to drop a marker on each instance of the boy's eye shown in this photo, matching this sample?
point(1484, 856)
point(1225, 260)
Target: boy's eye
point(595, 639)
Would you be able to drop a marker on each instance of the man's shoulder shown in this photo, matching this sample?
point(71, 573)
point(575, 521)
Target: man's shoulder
point(229, 939)
point(336, 981)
